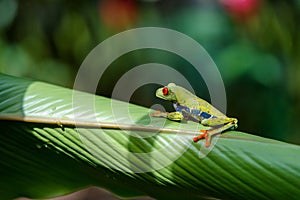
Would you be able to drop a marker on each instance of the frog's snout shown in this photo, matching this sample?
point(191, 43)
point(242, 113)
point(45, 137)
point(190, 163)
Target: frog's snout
point(156, 93)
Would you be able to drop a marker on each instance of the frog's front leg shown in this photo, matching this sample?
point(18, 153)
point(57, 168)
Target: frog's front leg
point(224, 123)
point(175, 116)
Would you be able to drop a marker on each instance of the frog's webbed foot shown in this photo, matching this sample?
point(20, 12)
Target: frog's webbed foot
point(205, 134)
point(159, 113)
point(175, 116)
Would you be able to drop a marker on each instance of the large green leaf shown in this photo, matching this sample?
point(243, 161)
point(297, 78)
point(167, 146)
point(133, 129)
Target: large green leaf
point(43, 154)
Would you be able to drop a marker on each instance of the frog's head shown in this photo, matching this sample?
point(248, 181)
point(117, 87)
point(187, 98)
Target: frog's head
point(167, 92)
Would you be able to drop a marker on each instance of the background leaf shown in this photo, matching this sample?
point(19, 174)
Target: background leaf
point(41, 160)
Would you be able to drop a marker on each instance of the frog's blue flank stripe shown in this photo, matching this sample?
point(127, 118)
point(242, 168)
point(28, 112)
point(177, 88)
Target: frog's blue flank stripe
point(194, 112)
point(202, 114)
point(205, 115)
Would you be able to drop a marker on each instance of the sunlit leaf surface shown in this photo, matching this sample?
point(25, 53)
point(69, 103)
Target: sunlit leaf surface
point(41, 160)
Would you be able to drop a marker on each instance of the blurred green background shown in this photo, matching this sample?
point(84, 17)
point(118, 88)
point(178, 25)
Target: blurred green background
point(254, 43)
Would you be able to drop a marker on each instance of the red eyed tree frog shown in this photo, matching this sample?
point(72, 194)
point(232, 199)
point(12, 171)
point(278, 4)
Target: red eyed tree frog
point(189, 106)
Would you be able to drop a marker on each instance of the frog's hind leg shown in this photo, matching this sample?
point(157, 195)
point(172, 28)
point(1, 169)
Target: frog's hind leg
point(218, 121)
point(207, 134)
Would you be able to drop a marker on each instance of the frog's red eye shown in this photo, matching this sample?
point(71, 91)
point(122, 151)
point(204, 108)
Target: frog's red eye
point(165, 91)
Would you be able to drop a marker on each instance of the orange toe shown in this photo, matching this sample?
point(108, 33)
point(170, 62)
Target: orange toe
point(196, 139)
point(204, 131)
point(199, 137)
point(207, 143)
